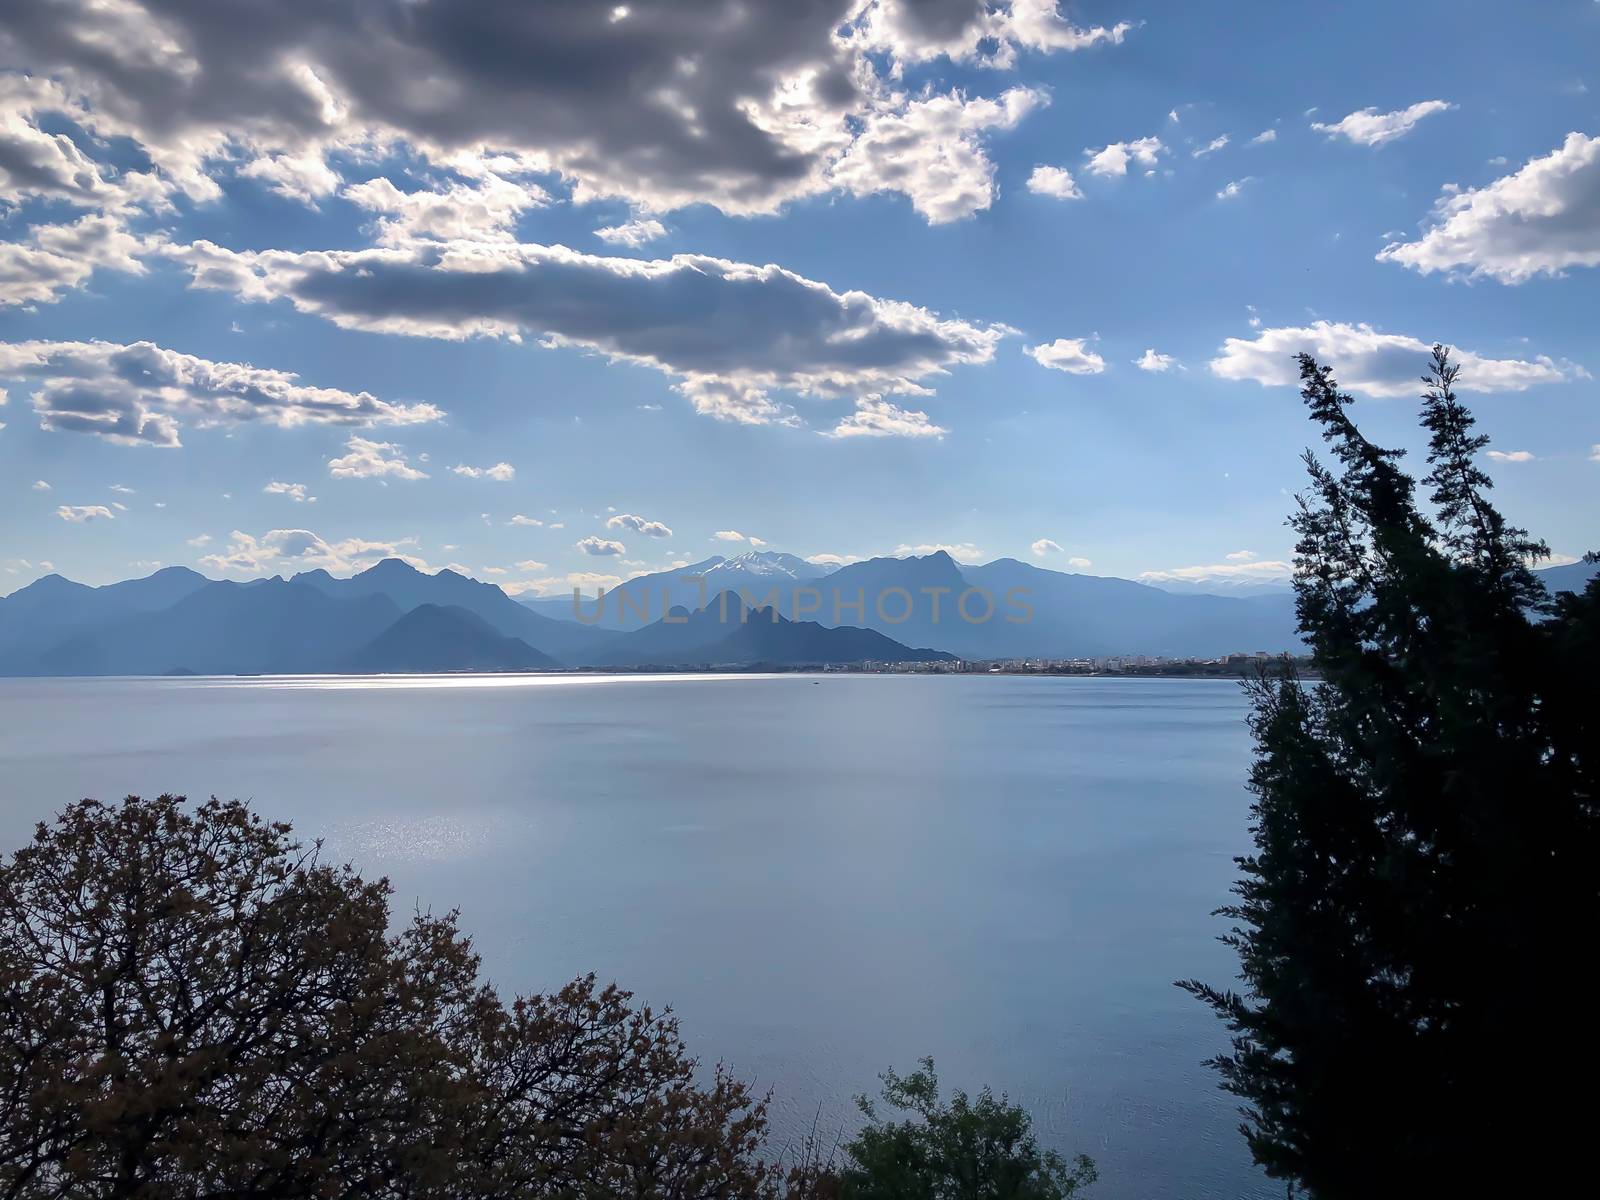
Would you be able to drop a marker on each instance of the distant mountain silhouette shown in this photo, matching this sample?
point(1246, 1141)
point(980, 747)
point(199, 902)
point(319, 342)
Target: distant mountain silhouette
point(176, 621)
point(1573, 577)
point(719, 635)
point(647, 598)
point(410, 588)
point(1094, 615)
point(431, 638)
point(51, 609)
point(264, 627)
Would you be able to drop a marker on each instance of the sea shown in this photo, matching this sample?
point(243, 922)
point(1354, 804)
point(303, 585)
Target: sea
point(823, 876)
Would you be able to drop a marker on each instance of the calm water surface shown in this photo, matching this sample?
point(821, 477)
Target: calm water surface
point(823, 875)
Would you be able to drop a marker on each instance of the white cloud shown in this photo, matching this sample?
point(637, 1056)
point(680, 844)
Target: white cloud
point(1511, 456)
point(519, 519)
point(78, 514)
point(40, 485)
point(583, 581)
point(302, 550)
point(1211, 147)
point(484, 210)
point(1264, 570)
point(1376, 364)
point(1113, 160)
point(501, 472)
point(372, 460)
point(731, 535)
point(833, 560)
point(1540, 220)
point(989, 35)
point(1081, 564)
point(123, 489)
point(200, 540)
point(775, 329)
point(1265, 136)
point(1045, 546)
point(929, 149)
point(654, 529)
point(531, 564)
point(1234, 188)
point(1150, 360)
point(295, 491)
point(1240, 556)
point(877, 417)
point(57, 258)
point(598, 547)
point(1369, 127)
point(1069, 355)
point(962, 552)
point(632, 233)
point(1054, 181)
point(137, 394)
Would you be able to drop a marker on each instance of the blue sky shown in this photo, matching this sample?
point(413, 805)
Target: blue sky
point(249, 257)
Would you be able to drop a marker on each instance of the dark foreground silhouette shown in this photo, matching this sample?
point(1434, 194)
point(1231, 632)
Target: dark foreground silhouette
point(1416, 925)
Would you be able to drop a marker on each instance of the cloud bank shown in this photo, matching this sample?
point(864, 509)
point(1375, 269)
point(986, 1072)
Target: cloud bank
point(142, 394)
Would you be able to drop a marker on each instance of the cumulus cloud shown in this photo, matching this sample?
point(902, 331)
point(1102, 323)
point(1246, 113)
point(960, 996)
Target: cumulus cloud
point(1265, 136)
point(1242, 556)
point(40, 485)
point(56, 258)
point(1511, 456)
point(774, 329)
point(1150, 360)
point(1045, 546)
point(139, 394)
point(1373, 363)
point(653, 529)
point(876, 417)
point(301, 550)
point(962, 552)
point(1369, 127)
point(519, 519)
point(1069, 355)
point(733, 535)
point(929, 150)
point(598, 547)
point(295, 491)
point(1539, 220)
point(663, 103)
point(1234, 187)
point(502, 472)
point(833, 560)
point(1054, 181)
point(486, 208)
point(1079, 564)
point(988, 34)
point(373, 460)
point(1113, 160)
point(1211, 147)
point(78, 514)
point(633, 233)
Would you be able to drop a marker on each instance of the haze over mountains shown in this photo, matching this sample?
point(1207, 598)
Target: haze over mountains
point(762, 608)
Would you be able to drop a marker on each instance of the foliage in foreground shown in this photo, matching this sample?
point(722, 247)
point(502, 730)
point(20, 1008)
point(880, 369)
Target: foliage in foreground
point(960, 1149)
point(191, 1005)
point(194, 1006)
point(1416, 925)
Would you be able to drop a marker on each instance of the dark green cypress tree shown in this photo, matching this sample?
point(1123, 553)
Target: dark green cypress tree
point(1416, 924)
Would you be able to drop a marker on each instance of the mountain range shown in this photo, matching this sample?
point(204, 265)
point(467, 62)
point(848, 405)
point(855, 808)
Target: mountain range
point(761, 608)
